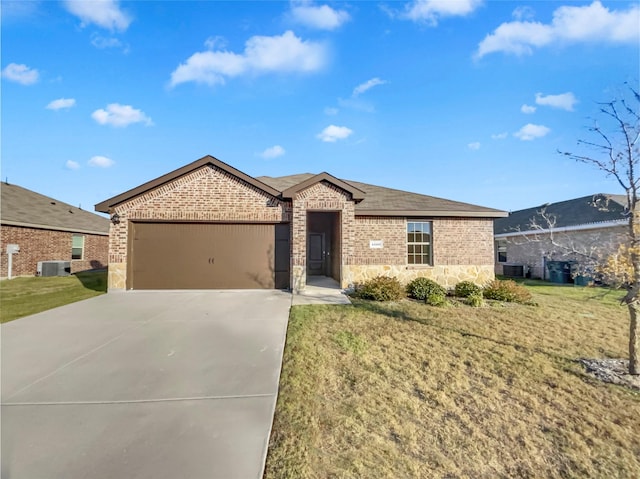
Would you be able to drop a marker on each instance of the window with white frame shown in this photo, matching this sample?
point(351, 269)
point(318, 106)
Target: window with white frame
point(77, 247)
point(419, 247)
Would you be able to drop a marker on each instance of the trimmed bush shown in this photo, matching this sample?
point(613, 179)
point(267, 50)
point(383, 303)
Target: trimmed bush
point(436, 299)
point(464, 289)
point(475, 300)
point(507, 290)
point(422, 288)
point(380, 288)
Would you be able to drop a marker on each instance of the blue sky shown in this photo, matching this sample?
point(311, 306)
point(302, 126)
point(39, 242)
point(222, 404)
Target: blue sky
point(467, 100)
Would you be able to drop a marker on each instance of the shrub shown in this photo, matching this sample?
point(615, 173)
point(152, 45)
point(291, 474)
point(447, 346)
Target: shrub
point(380, 288)
point(475, 299)
point(464, 289)
point(507, 290)
point(436, 299)
point(422, 288)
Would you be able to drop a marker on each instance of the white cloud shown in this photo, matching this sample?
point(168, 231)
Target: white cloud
point(500, 136)
point(430, 11)
point(331, 111)
point(120, 115)
point(20, 73)
point(570, 24)
point(101, 42)
point(273, 152)
point(72, 165)
point(284, 53)
point(101, 162)
point(564, 101)
point(523, 13)
point(333, 133)
point(474, 145)
point(61, 103)
point(215, 42)
point(321, 17)
point(103, 13)
point(531, 132)
point(367, 86)
point(528, 109)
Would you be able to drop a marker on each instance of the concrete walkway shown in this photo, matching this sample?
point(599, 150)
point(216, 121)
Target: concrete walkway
point(321, 290)
point(143, 385)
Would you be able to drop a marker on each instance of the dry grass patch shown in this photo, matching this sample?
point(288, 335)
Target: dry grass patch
point(405, 390)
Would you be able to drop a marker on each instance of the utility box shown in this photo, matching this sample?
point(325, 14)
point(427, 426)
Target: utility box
point(559, 272)
point(513, 270)
point(54, 268)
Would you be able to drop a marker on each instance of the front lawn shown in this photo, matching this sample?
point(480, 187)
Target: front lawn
point(24, 296)
point(405, 390)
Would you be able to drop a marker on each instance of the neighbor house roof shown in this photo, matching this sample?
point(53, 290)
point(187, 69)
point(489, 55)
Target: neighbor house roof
point(381, 201)
point(23, 207)
point(599, 210)
point(370, 200)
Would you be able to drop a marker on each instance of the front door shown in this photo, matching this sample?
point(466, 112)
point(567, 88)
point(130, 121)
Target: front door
point(316, 254)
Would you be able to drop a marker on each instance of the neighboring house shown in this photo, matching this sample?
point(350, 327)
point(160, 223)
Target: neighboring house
point(208, 225)
point(580, 232)
point(46, 229)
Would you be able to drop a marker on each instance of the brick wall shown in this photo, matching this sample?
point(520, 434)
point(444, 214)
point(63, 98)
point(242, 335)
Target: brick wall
point(530, 250)
point(392, 232)
point(463, 241)
point(322, 196)
point(206, 194)
point(456, 241)
point(46, 245)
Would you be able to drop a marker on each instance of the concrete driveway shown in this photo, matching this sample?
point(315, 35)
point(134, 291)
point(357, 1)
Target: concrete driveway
point(143, 385)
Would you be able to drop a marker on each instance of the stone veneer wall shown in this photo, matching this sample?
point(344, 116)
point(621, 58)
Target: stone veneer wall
point(322, 196)
point(530, 250)
point(462, 250)
point(206, 194)
point(447, 276)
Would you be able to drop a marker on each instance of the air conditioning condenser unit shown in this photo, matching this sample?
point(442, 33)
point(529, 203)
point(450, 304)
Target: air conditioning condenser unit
point(54, 268)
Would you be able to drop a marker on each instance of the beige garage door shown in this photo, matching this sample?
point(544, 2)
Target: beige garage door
point(208, 256)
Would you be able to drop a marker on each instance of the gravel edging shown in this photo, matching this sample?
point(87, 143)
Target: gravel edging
point(614, 371)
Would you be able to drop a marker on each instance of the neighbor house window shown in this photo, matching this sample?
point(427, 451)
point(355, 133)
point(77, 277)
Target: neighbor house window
point(501, 248)
point(77, 247)
point(419, 242)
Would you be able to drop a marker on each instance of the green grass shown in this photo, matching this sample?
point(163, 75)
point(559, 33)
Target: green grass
point(405, 390)
point(24, 296)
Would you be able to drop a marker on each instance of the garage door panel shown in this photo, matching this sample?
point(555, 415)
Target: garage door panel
point(203, 256)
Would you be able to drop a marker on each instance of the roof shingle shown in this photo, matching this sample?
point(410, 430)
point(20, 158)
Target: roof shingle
point(590, 209)
point(23, 207)
point(379, 200)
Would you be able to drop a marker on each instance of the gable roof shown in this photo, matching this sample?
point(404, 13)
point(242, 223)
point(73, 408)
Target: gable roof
point(598, 209)
point(370, 200)
point(26, 208)
point(106, 205)
point(291, 191)
point(381, 201)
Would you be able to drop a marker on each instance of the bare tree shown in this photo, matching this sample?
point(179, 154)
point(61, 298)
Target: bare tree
point(616, 152)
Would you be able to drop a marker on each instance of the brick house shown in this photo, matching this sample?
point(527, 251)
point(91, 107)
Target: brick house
point(581, 232)
point(46, 229)
point(207, 226)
